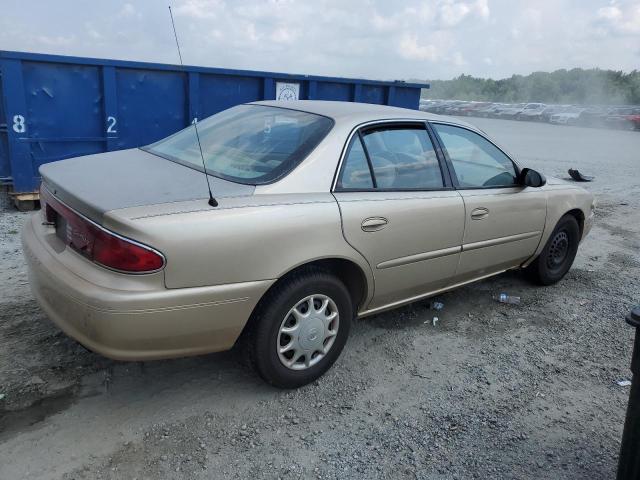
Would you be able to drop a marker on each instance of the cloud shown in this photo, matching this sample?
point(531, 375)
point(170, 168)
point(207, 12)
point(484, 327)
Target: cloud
point(283, 35)
point(128, 11)
point(56, 41)
point(409, 48)
point(200, 9)
point(404, 39)
point(453, 12)
point(251, 32)
point(93, 33)
point(383, 23)
point(458, 60)
point(621, 18)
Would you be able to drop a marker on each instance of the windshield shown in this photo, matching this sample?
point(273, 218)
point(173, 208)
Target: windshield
point(252, 144)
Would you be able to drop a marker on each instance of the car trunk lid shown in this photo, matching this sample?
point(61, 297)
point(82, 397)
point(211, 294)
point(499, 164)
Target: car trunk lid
point(95, 184)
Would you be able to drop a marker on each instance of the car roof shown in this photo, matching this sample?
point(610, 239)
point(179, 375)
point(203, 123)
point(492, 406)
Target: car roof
point(354, 112)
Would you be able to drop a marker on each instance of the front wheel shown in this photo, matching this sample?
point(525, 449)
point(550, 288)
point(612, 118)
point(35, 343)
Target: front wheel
point(558, 254)
point(300, 328)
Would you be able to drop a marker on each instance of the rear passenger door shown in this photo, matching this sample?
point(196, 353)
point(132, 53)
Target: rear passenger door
point(503, 219)
point(399, 210)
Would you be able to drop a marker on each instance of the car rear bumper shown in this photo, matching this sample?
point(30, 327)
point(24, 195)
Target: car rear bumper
point(136, 324)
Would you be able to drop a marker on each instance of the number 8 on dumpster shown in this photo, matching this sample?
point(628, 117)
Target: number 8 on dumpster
point(18, 124)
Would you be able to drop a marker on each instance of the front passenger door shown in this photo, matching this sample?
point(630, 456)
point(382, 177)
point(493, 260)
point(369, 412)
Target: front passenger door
point(503, 220)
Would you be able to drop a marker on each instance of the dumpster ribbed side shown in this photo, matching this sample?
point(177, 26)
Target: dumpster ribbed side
point(56, 107)
point(5, 167)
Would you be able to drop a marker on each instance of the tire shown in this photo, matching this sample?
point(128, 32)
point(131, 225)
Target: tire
point(274, 313)
point(558, 254)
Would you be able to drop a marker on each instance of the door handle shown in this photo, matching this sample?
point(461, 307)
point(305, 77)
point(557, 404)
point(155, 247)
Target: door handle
point(374, 224)
point(479, 213)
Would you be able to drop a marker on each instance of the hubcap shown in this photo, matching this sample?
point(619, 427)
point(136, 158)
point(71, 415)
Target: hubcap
point(559, 250)
point(307, 332)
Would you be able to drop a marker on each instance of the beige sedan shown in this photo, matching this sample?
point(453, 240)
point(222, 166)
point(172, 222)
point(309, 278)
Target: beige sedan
point(320, 212)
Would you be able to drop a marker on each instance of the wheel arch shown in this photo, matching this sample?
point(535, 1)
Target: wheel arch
point(349, 272)
point(553, 217)
point(579, 216)
point(359, 285)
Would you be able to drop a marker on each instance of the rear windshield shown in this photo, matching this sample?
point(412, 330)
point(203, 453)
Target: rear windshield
point(252, 144)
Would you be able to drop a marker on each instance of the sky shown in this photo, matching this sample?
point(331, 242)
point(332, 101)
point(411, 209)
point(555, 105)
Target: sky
point(429, 39)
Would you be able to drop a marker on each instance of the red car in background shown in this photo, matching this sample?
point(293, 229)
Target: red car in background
point(626, 117)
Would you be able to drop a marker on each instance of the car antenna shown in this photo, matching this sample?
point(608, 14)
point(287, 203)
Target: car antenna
point(212, 201)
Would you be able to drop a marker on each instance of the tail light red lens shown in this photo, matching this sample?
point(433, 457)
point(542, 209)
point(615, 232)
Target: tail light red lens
point(96, 243)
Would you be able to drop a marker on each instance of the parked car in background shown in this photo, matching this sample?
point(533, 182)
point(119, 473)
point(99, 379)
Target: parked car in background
point(634, 118)
point(545, 115)
point(593, 116)
point(531, 111)
point(624, 117)
point(316, 202)
point(510, 112)
point(439, 106)
point(486, 110)
point(569, 116)
point(455, 107)
point(471, 109)
point(428, 105)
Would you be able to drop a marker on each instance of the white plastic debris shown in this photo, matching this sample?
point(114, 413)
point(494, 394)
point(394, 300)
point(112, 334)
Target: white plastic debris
point(2, 395)
point(624, 383)
point(504, 298)
point(435, 320)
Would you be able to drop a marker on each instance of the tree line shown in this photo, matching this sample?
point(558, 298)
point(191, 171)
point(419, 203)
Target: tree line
point(575, 86)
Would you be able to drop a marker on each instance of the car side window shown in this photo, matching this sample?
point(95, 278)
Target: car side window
point(476, 162)
point(355, 173)
point(403, 158)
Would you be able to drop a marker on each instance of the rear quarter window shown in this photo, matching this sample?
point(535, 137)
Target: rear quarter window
point(252, 144)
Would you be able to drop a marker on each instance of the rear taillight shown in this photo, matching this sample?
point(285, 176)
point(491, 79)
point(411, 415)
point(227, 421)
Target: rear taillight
point(124, 255)
point(96, 243)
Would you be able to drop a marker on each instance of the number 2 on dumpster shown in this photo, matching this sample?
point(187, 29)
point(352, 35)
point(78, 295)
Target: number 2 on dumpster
point(111, 125)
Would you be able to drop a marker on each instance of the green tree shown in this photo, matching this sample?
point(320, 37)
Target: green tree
point(579, 86)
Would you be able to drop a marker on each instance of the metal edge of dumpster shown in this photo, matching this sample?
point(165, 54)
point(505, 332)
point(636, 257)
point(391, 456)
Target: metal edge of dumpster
point(629, 461)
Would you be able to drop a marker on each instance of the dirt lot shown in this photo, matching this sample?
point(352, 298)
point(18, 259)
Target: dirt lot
point(490, 391)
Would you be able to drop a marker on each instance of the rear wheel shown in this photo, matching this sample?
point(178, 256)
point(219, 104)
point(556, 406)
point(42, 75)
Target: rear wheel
point(558, 254)
point(300, 328)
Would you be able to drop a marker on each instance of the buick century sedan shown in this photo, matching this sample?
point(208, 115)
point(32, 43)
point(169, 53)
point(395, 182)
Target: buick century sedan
point(320, 212)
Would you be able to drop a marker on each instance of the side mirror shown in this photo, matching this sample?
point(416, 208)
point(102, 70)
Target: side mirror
point(530, 178)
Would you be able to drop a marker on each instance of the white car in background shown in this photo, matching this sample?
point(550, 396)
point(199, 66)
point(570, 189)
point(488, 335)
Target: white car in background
point(511, 111)
point(531, 111)
point(568, 117)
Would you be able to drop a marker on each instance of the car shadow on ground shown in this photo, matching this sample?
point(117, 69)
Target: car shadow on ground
point(66, 373)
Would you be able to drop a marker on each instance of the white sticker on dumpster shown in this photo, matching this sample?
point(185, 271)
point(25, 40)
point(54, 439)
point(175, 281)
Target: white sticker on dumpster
point(287, 91)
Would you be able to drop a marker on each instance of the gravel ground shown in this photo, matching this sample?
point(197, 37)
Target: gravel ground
point(491, 391)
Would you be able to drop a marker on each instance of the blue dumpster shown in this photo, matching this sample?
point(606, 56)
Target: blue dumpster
point(56, 107)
